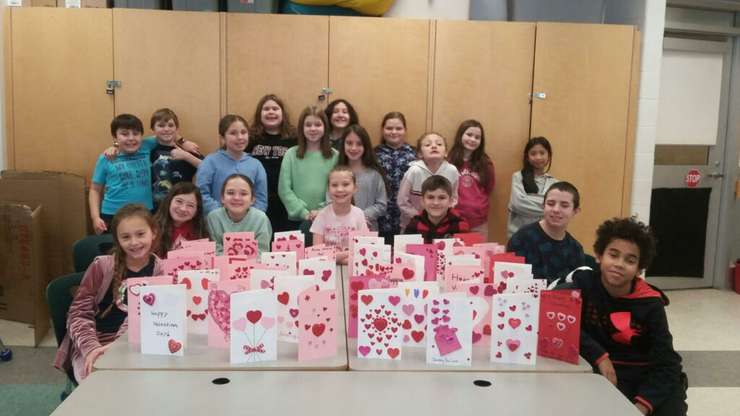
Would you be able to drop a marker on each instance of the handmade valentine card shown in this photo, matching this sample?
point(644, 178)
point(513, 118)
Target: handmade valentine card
point(321, 250)
point(429, 252)
point(482, 320)
point(206, 248)
point(219, 310)
point(400, 242)
point(289, 236)
point(447, 244)
point(488, 250)
point(560, 325)
point(233, 267)
point(415, 296)
point(357, 283)
point(287, 259)
point(503, 271)
point(455, 276)
point(523, 285)
point(470, 239)
point(514, 329)
point(263, 277)
point(379, 334)
point(173, 266)
point(408, 268)
point(370, 258)
point(463, 260)
point(253, 327)
point(449, 326)
point(134, 285)
point(163, 320)
point(502, 257)
point(321, 270)
point(240, 244)
point(287, 289)
point(196, 283)
point(317, 324)
point(296, 246)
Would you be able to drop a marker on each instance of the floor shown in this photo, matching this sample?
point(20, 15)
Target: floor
point(705, 324)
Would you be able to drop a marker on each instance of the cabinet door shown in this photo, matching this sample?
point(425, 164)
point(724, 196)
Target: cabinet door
point(483, 71)
point(170, 59)
point(275, 54)
point(381, 65)
point(585, 73)
point(60, 60)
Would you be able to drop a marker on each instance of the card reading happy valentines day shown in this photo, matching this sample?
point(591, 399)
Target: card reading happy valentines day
point(163, 330)
point(253, 327)
point(379, 334)
point(134, 286)
point(514, 326)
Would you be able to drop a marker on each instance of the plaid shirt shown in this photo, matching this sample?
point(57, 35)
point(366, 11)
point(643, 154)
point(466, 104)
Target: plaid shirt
point(451, 224)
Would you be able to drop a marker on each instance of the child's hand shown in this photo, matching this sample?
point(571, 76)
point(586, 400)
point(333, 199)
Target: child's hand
point(99, 225)
point(312, 215)
point(644, 410)
point(189, 146)
point(179, 154)
point(93, 356)
point(606, 368)
point(343, 257)
point(111, 153)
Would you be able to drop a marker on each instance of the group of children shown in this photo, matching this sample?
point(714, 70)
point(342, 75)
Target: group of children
point(325, 178)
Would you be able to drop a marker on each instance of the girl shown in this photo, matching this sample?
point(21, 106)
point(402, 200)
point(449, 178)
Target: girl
point(306, 167)
point(231, 158)
point(272, 136)
point(469, 156)
point(334, 223)
point(180, 217)
point(432, 148)
point(235, 215)
point(98, 314)
point(340, 114)
point(357, 153)
point(394, 156)
point(529, 185)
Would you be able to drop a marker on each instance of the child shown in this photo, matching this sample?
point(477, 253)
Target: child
point(272, 136)
point(98, 312)
point(180, 217)
point(170, 163)
point(357, 153)
point(235, 215)
point(624, 331)
point(529, 185)
point(334, 223)
point(477, 179)
point(123, 180)
point(217, 166)
point(547, 245)
point(305, 168)
point(394, 156)
point(438, 219)
point(341, 115)
point(432, 148)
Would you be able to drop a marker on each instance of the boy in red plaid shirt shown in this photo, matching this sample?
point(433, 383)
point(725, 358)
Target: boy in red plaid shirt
point(438, 219)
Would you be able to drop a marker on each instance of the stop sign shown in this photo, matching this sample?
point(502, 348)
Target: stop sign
point(693, 177)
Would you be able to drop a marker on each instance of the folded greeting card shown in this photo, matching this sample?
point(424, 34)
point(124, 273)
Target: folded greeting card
point(429, 252)
point(400, 242)
point(287, 289)
point(379, 334)
point(206, 248)
point(523, 285)
point(233, 267)
point(470, 239)
point(482, 327)
point(240, 244)
point(219, 310)
point(253, 327)
point(450, 325)
point(503, 271)
point(455, 276)
point(196, 283)
point(323, 272)
point(287, 259)
point(263, 277)
point(415, 296)
point(502, 257)
point(289, 236)
point(321, 250)
point(317, 324)
point(172, 266)
point(408, 268)
point(163, 320)
point(296, 246)
point(357, 283)
point(134, 285)
point(514, 325)
point(560, 325)
point(370, 258)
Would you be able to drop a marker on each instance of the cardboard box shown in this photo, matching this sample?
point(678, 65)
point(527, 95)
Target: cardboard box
point(23, 277)
point(62, 196)
point(76, 4)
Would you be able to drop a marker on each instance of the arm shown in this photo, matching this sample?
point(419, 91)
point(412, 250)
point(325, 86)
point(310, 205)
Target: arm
point(96, 193)
point(491, 178)
point(522, 203)
point(216, 232)
point(377, 209)
point(263, 234)
point(81, 315)
point(204, 180)
point(404, 197)
point(180, 154)
point(260, 187)
point(295, 207)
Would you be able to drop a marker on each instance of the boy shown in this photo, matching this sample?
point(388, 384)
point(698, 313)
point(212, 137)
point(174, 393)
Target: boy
point(546, 244)
point(437, 219)
point(624, 331)
point(124, 180)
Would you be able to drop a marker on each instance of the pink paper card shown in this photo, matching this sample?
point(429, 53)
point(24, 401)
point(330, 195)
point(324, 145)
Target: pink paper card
point(289, 236)
point(470, 239)
point(503, 271)
point(379, 334)
point(240, 244)
point(321, 250)
point(463, 260)
point(560, 325)
point(219, 310)
point(415, 296)
point(488, 250)
point(134, 285)
point(357, 283)
point(287, 259)
point(173, 266)
point(370, 258)
point(408, 268)
point(263, 277)
point(456, 276)
point(233, 267)
point(400, 242)
point(196, 284)
point(356, 237)
point(287, 289)
point(450, 325)
point(317, 323)
point(429, 252)
point(206, 248)
point(163, 320)
point(322, 271)
point(253, 327)
point(523, 285)
point(482, 327)
point(514, 325)
point(290, 245)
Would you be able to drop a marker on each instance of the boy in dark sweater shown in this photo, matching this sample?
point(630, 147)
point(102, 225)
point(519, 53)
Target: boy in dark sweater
point(624, 331)
point(438, 219)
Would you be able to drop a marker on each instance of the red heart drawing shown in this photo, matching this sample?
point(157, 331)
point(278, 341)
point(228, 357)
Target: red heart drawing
point(149, 299)
point(364, 350)
point(366, 299)
point(498, 354)
point(419, 318)
point(512, 344)
point(197, 300)
point(204, 284)
point(174, 346)
point(325, 275)
point(500, 326)
point(487, 329)
point(417, 335)
point(318, 329)
point(489, 291)
point(187, 283)
point(380, 324)
point(283, 298)
point(293, 312)
point(528, 355)
point(407, 273)
point(407, 324)
point(393, 352)
point(363, 251)
point(512, 308)
point(514, 323)
point(357, 286)
point(254, 316)
point(476, 337)
point(501, 314)
point(474, 289)
point(440, 245)
point(394, 300)
point(528, 327)
point(308, 272)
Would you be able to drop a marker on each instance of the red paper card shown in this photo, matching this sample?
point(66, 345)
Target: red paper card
point(560, 325)
point(470, 238)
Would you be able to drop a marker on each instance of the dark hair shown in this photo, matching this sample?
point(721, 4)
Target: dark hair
point(528, 170)
point(390, 116)
point(314, 111)
point(126, 121)
point(353, 118)
point(119, 255)
point(564, 186)
point(240, 176)
point(480, 163)
point(164, 220)
point(628, 229)
point(424, 136)
point(227, 121)
point(286, 129)
point(163, 114)
point(369, 160)
point(435, 182)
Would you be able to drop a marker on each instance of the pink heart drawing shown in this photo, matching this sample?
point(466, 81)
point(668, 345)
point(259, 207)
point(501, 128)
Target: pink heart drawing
point(325, 275)
point(240, 324)
point(408, 309)
point(364, 350)
point(394, 300)
point(512, 344)
point(268, 322)
point(219, 306)
point(149, 299)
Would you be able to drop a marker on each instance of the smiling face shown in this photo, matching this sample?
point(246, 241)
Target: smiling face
point(353, 147)
point(619, 265)
point(236, 137)
point(471, 138)
point(237, 198)
point(559, 208)
point(433, 148)
point(340, 116)
point(271, 115)
point(436, 203)
point(129, 141)
point(135, 238)
point(394, 132)
point(538, 157)
point(166, 132)
point(341, 187)
point(313, 129)
point(183, 208)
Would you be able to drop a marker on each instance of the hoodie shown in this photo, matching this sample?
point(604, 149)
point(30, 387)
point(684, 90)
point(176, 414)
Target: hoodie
point(409, 192)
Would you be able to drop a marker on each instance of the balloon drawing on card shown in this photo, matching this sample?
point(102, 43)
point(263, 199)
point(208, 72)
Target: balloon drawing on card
point(253, 327)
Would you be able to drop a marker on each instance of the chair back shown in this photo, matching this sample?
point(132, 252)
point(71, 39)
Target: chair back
point(59, 295)
point(84, 251)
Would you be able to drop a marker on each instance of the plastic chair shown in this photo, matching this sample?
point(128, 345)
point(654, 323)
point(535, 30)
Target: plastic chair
point(59, 295)
point(84, 251)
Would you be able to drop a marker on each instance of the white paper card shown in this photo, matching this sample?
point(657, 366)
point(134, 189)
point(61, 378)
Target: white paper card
point(163, 329)
point(253, 327)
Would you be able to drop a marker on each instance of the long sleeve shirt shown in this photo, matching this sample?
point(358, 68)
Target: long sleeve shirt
point(409, 193)
point(303, 182)
point(255, 221)
point(526, 208)
point(218, 166)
